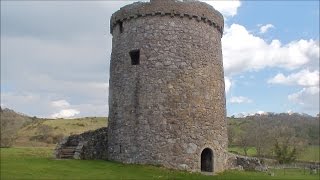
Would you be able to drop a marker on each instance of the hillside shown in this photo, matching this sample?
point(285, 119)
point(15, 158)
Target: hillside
point(11, 122)
point(47, 132)
point(302, 126)
point(21, 130)
point(272, 135)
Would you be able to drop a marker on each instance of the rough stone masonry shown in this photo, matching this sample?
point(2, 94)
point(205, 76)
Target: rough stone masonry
point(167, 97)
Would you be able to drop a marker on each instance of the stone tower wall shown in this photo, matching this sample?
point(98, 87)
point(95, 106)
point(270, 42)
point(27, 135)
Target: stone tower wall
point(171, 106)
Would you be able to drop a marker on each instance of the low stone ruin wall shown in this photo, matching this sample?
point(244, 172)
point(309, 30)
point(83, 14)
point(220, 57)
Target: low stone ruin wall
point(89, 145)
point(246, 163)
point(94, 145)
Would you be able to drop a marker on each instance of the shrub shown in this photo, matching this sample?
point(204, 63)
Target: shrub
point(284, 153)
point(6, 140)
point(80, 124)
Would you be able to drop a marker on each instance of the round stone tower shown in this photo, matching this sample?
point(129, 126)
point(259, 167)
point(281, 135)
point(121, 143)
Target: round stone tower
point(167, 97)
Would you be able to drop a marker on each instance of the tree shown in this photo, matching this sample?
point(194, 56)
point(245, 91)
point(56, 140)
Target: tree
point(287, 145)
point(245, 137)
point(231, 134)
point(244, 142)
point(263, 132)
point(284, 153)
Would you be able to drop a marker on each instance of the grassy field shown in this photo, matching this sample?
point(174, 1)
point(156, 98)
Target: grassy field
point(37, 163)
point(311, 154)
point(251, 151)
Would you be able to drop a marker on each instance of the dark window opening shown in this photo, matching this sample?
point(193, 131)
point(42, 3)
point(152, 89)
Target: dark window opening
point(120, 149)
point(207, 160)
point(135, 57)
point(121, 26)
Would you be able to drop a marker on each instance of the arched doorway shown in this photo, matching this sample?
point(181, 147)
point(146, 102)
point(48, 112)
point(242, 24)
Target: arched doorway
point(207, 160)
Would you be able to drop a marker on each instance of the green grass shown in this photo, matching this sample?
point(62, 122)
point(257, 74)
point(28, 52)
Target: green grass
point(251, 151)
point(37, 163)
point(311, 153)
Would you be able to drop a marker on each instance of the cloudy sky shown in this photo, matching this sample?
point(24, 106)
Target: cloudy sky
point(55, 56)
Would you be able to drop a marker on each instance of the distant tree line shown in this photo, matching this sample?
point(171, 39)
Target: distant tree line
point(282, 135)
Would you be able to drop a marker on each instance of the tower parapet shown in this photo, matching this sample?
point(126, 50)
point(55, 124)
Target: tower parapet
point(182, 9)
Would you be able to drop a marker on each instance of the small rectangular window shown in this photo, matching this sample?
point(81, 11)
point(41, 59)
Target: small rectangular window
point(135, 57)
point(121, 26)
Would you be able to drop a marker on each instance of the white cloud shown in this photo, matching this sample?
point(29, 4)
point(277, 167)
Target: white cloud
point(308, 98)
point(97, 108)
point(239, 100)
point(65, 113)
point(228, 84)
point(23, 98)
point(242, 51)
point(245, 114)
point(261, 112)
point(73, 69)
point(60, 104)
point(265, 28)
point(302, 78)
point(43, 105)
point(227, 8)
point(290, 112)
point(20, 102)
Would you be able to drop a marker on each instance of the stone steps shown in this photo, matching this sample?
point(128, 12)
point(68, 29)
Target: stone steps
point(68, 149)
point(66, 156)
point(67, 152)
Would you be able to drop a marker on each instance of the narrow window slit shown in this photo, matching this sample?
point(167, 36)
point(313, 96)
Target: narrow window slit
point(135, 57)
point(121, 26)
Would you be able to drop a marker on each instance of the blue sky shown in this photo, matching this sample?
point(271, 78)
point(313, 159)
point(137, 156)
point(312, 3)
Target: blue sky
point(55, 56)
point(291, 21)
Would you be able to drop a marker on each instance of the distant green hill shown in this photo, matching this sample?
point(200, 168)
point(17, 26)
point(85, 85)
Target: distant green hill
point(304, 126)
point(47, 132)
point(258, 135)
